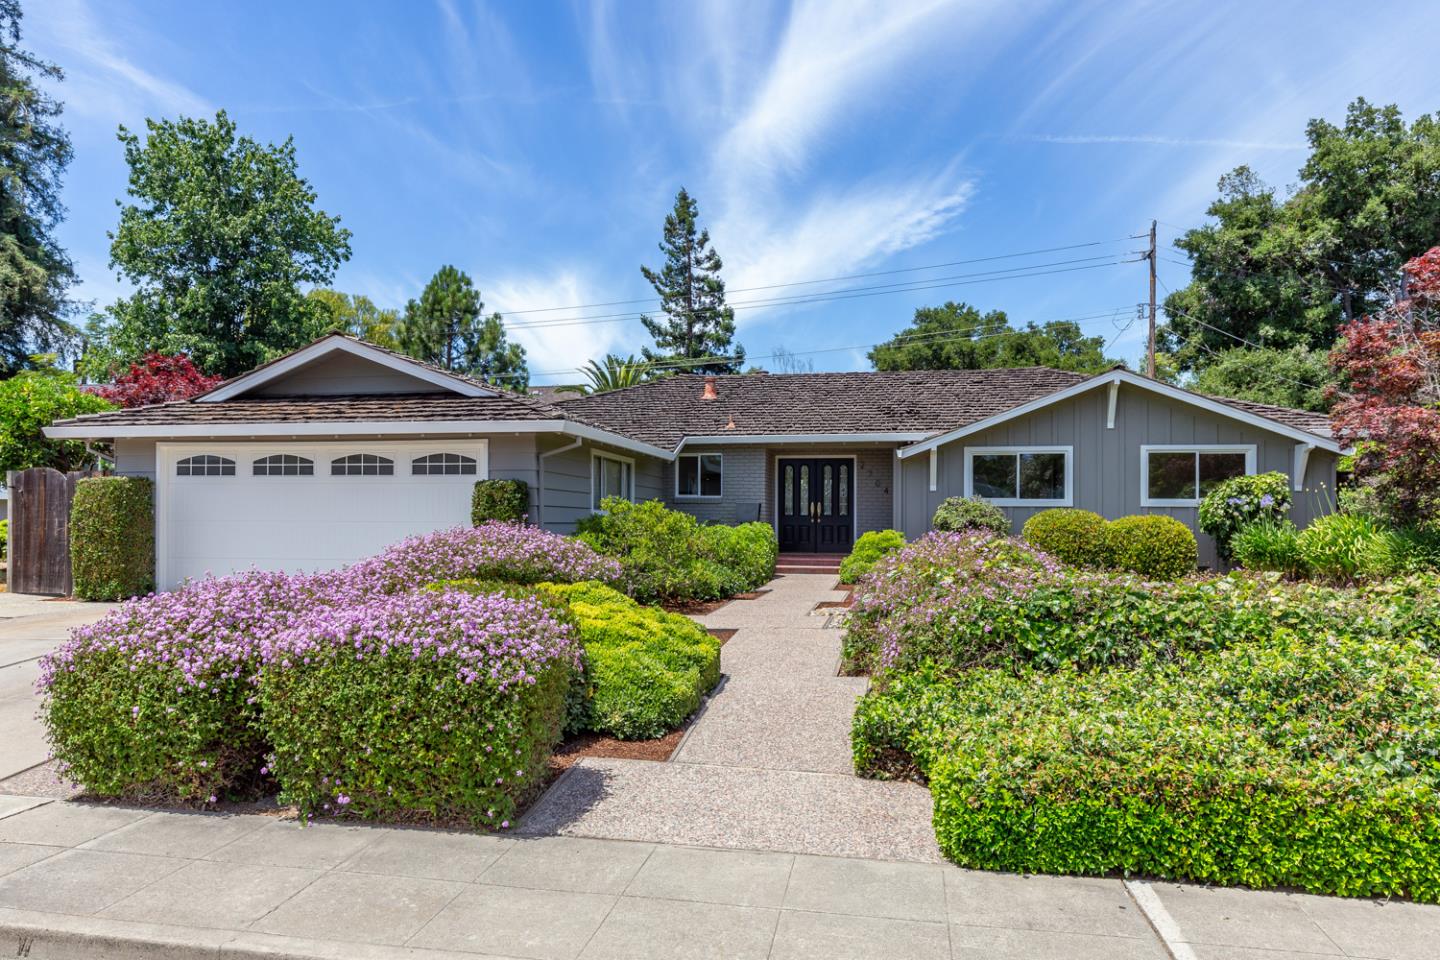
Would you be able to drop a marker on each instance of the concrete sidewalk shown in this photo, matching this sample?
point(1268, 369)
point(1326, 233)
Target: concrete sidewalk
point(91, 881)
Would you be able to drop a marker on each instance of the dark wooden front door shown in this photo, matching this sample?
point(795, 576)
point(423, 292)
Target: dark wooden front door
point(816, 504)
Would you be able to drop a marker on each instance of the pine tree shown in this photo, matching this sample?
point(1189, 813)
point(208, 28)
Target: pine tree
point(34, 151)
point(697, 324)
point(447, 327)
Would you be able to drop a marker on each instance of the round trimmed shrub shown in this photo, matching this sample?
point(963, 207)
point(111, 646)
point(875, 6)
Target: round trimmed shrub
point(507, 500)
point(1241, 501)
point(970, 513)
point(436, 704)
point(1077, 537)
point(112, 538)
point(868, 549)
point(1153, 545)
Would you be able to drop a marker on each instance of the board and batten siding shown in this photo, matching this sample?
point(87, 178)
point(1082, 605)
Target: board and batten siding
point(567, 480)
point(1106, 462)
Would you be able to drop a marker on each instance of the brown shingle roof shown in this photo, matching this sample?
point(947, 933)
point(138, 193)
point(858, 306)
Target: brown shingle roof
point(663, 412)
point(339, 409)
point(1307, 420)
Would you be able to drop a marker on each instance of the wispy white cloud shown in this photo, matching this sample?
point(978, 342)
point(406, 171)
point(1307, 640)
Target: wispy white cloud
point(101, 80)
point(554, 351)
point(1159, 140)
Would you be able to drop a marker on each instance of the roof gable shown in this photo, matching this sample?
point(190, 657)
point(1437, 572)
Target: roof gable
point(338, 365)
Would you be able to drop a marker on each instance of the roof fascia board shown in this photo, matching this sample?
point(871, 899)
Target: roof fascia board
point(249, 381)
point(783, 438)
point(1144, 383)
point(312, 428)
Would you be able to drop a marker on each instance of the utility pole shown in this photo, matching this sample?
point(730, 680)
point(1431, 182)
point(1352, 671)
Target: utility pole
point(1150, 344)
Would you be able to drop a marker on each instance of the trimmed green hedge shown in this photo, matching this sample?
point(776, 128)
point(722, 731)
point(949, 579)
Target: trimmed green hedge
point(1298, 760)
point(867, 552)
point(1077, 537)
point(970, 513)
point(1152, 545)
point(645, 670)
point(667, 556)
point(507, 500)
point(112, 538)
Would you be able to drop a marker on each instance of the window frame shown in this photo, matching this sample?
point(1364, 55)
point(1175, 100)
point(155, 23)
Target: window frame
point(463, 462)
point(696, 457)
point(301, 463)
point(1250, 451)
point(629, 463)
point(222, 464)
point(1017, 451)
point(381, 463)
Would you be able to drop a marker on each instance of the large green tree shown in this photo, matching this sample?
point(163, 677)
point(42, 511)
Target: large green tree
point(1296, 378)
point(447, 327)
point(356, 315)
point(218, 237)
point(697, 325)
point(1285, 272)
point(34, 151)
point(957, 336)
point(32, 400)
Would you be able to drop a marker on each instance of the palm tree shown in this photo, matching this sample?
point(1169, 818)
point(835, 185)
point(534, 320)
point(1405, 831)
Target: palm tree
point(614, 374)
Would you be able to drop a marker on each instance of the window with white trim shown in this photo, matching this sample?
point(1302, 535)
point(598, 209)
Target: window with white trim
point(699, 475)
point(1179, 475)
point(610, 476)
point(205, 465)
point(283, 465)
point(443, 464)
point(362, 465)
point(1019, 476)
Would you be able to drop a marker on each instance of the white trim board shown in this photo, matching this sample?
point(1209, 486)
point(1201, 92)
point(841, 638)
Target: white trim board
point(1017, 450)
point(1248, 449)
point(772, 439)
point(1135, 380)
point(336, 343)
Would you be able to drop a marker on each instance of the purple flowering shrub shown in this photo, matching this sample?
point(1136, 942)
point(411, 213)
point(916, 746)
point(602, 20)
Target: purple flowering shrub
point(494, 550)
point(952, 602)
point(1241, 501)
point(436, 705)
point(155, 701)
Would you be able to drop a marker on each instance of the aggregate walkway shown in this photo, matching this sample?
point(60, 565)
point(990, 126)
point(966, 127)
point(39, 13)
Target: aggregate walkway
point(767, 764)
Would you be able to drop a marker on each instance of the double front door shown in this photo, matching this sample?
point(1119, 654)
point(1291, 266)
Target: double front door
point(816, 504)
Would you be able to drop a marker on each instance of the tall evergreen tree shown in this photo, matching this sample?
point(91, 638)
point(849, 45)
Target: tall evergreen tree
point(447, 327)
point(697, 324)
point(34, 151)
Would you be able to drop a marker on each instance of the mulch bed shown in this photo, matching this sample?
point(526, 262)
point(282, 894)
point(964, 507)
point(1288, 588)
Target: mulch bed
point(698, 608)
point(598, 745)
point(838, 604)
point(722, 633)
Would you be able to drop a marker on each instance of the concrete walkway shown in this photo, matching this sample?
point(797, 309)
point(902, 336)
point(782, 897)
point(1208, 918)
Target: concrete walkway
point(767, 764)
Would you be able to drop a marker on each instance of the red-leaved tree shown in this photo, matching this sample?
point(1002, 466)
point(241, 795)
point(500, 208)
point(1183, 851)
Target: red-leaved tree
point(157, 378)
point(1391, 409)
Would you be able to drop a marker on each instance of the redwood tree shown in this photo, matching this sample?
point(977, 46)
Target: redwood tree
point(157, 378)
point(1391, 411)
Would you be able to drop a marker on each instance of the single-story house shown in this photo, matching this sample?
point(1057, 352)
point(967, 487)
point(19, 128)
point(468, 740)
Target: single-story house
point(331, 452)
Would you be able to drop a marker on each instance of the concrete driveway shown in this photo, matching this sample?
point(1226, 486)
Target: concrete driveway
point(30, 626)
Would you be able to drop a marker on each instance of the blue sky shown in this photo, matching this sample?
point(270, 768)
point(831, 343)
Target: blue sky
point(539, 145)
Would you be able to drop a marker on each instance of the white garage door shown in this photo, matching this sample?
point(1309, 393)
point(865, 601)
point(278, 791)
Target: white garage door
point(225, 507)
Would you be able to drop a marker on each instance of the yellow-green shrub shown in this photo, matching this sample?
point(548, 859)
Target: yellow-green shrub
point(868, 550)
point(1077, 537)
point(1152, 545)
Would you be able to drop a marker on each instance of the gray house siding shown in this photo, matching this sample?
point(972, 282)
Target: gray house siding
point(566, 494)
point(1106, 462)
point(748, 485)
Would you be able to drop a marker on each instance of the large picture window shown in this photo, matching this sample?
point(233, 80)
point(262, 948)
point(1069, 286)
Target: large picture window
point(1019, 476)
point(699, 475)
point(610, 476)
point(1181, 476)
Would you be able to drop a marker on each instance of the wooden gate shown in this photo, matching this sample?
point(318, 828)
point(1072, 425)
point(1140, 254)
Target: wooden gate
point(40, 530)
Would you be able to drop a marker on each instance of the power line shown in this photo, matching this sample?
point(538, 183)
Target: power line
point(852, 276)
point(923, 338)
point(853, 293)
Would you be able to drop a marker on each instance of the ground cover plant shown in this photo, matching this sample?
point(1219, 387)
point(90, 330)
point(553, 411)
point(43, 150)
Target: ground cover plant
point(436, 704)
point(868, 550)
point(667, 556)
point(1292, 760)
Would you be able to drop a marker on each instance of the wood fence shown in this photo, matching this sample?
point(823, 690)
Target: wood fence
point(40, 530)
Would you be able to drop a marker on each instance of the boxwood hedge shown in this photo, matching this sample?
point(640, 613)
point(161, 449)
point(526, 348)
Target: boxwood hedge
point(868, 550)
point(112, 538)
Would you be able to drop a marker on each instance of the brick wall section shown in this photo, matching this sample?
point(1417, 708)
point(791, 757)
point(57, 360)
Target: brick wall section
point(750, 480)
